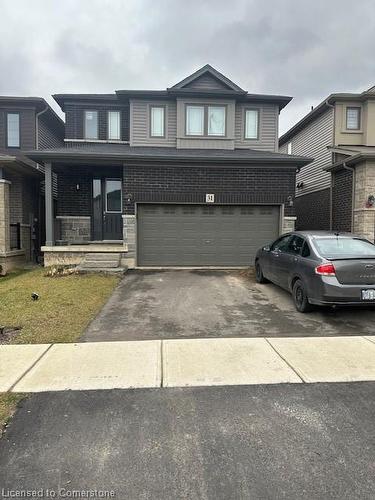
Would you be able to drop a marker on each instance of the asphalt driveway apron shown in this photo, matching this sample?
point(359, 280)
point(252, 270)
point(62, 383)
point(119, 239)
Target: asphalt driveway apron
point(149, 305)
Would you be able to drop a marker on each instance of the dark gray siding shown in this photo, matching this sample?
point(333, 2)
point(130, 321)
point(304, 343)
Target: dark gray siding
point(312, 141)
point(49, 134)
point(312, 210)
point(268, 127)
point(74, 115)
point(342, 200)
point(206, 82)
point(190, 184)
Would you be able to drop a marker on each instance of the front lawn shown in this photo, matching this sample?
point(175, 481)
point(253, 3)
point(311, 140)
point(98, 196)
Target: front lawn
point(65, 307)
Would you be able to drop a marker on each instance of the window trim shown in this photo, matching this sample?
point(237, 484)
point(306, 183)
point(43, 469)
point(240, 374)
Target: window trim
point(84, 124)
point(105, 195)
point(246, 109)
point(150, 108)
point(119, 124)
point(19, 130)
point(359, 128)
point(205, 107)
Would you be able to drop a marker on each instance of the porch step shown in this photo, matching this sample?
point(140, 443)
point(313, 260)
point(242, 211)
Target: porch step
point(102, 262)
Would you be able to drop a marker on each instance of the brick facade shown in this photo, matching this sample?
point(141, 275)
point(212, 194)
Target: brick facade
point(342, 186)
point(313, 211)
point(232, 185)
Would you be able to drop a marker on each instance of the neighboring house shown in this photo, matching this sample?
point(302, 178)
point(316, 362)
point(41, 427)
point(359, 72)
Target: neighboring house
point(336, 190)
point(25, 123)
point(187, 176)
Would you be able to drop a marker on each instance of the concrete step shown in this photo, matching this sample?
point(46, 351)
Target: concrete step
point(102, 256)
point(100, 263)
point(104, 270)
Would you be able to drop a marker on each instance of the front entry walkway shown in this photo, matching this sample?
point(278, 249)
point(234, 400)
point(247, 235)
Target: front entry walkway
point(149, 305)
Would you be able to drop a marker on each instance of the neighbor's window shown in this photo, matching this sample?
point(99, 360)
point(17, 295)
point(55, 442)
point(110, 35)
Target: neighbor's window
point(289, 148)
point(353, 118)
point(251, 124)
point(157, 121)
point(91, 124)
point(113, 195)
point(114, 125)
point(216, 120)
point(13, 130)
point(194, 120)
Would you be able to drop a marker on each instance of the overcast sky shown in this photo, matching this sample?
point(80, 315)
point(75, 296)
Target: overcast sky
point(303, 48)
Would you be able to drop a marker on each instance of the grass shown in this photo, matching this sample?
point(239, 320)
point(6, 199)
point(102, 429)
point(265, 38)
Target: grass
point(65, 307)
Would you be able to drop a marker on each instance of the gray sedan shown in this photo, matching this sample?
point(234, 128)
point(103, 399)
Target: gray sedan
point(320, 268)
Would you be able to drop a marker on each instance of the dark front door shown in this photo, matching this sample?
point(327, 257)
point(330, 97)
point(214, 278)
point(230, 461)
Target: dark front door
point(107, 209)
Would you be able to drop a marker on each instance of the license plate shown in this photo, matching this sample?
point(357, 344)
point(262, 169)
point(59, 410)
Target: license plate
point(368, 294)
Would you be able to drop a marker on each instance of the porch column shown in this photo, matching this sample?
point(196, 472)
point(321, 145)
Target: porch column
point(50, 239)
point(4, 214)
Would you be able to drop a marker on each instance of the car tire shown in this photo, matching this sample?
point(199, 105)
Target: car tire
point(259, 274)
point(300, 298)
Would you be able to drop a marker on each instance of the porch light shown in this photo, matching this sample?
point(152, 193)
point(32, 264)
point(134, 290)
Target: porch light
point(78, 187)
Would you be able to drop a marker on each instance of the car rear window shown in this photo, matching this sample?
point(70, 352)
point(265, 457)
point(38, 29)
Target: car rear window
point(344, 247)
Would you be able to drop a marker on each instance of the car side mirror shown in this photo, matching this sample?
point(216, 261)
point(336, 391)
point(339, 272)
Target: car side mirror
point(267, 248)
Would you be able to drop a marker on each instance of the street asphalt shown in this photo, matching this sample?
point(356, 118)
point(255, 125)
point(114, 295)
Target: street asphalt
point(250, 442)
point(149, 305)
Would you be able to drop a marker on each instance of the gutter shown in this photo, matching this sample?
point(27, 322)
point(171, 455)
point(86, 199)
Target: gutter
point(351, 169)
point(331, 183)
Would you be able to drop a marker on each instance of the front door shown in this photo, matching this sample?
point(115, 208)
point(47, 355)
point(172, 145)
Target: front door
point(107, 209)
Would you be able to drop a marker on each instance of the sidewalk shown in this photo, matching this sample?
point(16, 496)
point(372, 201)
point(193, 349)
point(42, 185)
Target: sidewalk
point(181, 363)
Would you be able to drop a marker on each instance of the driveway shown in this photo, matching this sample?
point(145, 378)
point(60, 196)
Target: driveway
point(150, 305)
point(260, 442)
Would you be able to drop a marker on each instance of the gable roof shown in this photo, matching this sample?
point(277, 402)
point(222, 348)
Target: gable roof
point(207, 69)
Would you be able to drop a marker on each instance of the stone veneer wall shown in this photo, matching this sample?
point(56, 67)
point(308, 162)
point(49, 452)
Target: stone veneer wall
point(74, 229)
point(129, 234)
point(288, 224)
point(364, 218)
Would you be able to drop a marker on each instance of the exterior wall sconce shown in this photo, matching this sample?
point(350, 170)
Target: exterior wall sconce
point(78, 187)
point(290, 201)
point(370, 201)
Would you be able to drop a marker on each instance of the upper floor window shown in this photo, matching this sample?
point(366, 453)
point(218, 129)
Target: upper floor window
point(252, 124)
point(205, 120)
point(114, 125)
point(353, 118)
point(13, 130)
point(91, 125)
point(216, 120)
point(157, 119)
point(289, 148)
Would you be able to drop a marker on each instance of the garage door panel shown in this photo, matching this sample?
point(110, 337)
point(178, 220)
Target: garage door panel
point(201, 235)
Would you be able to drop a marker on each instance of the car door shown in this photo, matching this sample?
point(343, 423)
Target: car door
point(276, 255)
point(289, 261)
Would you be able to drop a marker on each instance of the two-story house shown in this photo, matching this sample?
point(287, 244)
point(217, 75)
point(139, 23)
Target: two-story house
point(187, 176)
point(336, 191)
point(25, 123)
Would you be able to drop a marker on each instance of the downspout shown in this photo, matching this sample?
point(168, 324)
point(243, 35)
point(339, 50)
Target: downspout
point(331, 183)
point(352, 170)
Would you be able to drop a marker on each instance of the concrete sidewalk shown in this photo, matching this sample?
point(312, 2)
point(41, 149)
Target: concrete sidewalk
point(181, 363)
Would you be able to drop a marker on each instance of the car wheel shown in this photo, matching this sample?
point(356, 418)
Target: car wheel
point(259, 274)
point(300, 298)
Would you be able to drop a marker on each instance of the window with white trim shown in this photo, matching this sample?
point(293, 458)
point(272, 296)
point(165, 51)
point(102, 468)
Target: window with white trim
point(114, 125)
point(194, 120)
point(13, 130)
point(353, 118)
point(157, 118)
point(251, 124)
point(91, 125)
point(216, 120)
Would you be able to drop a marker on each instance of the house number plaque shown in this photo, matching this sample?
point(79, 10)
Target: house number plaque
point(210, 198)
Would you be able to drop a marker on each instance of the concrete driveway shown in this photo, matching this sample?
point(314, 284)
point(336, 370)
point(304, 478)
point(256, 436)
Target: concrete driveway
point(150, 305)
point(294, 442)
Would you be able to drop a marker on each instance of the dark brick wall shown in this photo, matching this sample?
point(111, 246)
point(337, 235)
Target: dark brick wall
point(190, 184)
point(312, 211)
point(74, 115)
point(342, 200)
point(71, 201)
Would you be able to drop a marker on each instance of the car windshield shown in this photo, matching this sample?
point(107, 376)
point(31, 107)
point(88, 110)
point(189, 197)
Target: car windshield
point(344, 247)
